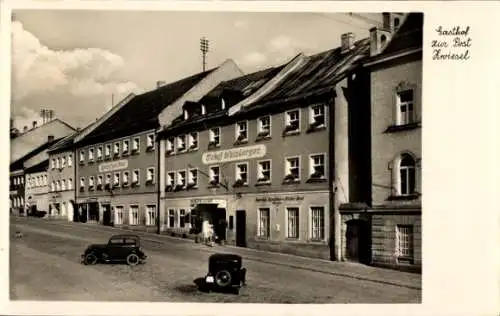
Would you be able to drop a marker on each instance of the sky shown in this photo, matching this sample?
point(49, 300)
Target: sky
point(80, 62)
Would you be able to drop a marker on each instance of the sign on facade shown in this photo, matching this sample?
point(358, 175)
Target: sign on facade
point(220, 203)
point(113, 165)
point(278, 199)
point(235, 154)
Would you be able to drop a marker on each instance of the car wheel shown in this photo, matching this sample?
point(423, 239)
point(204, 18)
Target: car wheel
point(223, 278)
point(133, 259)
point(90, 259)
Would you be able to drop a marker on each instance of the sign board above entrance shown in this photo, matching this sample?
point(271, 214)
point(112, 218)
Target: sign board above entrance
point(235, 154)
point(113, 166)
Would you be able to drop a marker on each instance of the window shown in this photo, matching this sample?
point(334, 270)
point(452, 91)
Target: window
point(125, 178)
point(91, 182)
point(404, 241)
point(116, 149)
point(58, 163)
point(193, 140)
point(214, 136)
point(292, 168)
point(405, 107)
point(82, 183)
point(70, 160)
point(292, 121)
point(99, 152)
point(125, 146)
point(170, 178)
point(58, 185)
point(150, 215)
point(70, 184)
point(203, 109)
point(107, 150)
point(116, 179)
point(82, 157)
point(136, 144)
point(317, 166)
point(317, 223)
point(242, 173)
point(136, 177)
point(214, 175)
point(99, 181)
point(263, 225)
point(182, 217)
point(317, 115)
point(119, 215)
point(63, 185)
point(193, 177)
point(108, 179)
point(170, 145)
point(150, 141)
point(181, 179)
point(53, 186)
point(171, 218)
point(292, 214)
point(264, 171)
point(134, 215)
point(181, 142)
point(91, 154)
point(241, 131)
point(407, 175)
point(52, 164)
point(150, 177)
point(63, 162)
point(264, 126)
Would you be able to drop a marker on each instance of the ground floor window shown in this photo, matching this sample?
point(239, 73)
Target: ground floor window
point(171, 218)
point(119, 215)
point(263, 224)
point(134, 215)
point(292, 222)
point(182, 217)
point(404, 241)
point(150, 215)
point(317, 223)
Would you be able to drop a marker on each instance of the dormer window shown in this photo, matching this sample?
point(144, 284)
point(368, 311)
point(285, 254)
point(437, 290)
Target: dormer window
point(223, 104)
point(241, 132)
point(203, 109)
point(193, 140)
point(150, 142)
point(292, 122)
point(214, 136)
point(186, 115)
point(181, 142)
point(170, 145)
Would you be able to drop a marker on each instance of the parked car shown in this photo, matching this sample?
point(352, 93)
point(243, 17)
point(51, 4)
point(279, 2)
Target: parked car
point(225, 271)
point(120, 248)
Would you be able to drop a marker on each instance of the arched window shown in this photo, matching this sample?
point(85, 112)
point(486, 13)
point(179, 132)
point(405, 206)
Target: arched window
point(407, 175)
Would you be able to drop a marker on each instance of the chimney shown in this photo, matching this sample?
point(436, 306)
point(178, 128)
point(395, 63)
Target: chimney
point(347, 42)
point(378, 39)
point(160, 84)
point(34, 124)
point(386, 21)
point(50, 138)
point(25, 128)
point(391, 21)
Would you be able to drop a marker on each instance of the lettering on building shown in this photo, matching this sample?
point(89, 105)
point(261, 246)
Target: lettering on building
point(235, 154)
point(113, 166)
point(279, 199)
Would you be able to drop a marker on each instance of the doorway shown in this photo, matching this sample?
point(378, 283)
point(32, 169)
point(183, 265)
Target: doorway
point(93, 211)
point(106, 214)
point(358, 241)
point(241, 229)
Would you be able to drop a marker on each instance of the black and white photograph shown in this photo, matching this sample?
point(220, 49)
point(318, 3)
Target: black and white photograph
point(194, 156)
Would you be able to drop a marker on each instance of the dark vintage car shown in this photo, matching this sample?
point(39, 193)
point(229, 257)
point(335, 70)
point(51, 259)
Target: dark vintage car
point(120, 248)
point(225, 271)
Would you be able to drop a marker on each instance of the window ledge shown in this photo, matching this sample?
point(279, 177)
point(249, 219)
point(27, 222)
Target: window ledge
point(242, 185)
point(313, 129)
point(291, 133)
point(150, 149)
point(287, 182)
point(213, 146)
point(192, 187)
point(263, 183)
point(240, 142)
point(263, 138)
point(192, 149)
point(316, 180)
point(134, 152)
point(405, 260)
point(405, 127)
point(403, 197)
point(91, 162)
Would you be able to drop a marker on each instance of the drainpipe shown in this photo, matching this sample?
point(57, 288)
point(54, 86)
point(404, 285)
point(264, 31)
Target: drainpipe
point(331, 179)
point(75, 184)
point(158, 181)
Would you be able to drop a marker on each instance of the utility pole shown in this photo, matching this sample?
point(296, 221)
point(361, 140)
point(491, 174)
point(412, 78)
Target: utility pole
point(204, 50)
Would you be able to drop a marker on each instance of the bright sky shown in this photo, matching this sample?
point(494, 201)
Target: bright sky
point(74, 61)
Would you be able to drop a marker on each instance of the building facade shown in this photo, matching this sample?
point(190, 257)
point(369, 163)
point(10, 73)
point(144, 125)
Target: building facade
point(117, 158)
point(260, 158)
point(16, 192)
point(387, 231)
point(36, 188)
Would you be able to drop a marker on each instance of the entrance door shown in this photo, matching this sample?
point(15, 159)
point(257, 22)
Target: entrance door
point(358, 241)
point(241, 228)
point(106, 214)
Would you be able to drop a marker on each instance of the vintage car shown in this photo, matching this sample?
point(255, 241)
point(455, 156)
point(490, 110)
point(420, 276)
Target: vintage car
point(120, 248)
point(225, 271)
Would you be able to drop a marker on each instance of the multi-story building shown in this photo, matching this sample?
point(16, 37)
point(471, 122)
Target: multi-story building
point(61, 179)
point(36, 188)
point(267, 158)
point(116, 178)
point(391, 235)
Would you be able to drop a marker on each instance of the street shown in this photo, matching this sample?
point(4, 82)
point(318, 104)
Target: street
point(45, 265)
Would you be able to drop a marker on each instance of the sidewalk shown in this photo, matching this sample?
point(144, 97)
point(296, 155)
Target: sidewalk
point(343, 269)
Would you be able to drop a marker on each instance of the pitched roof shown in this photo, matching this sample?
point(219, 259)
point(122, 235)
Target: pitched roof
point(318, 75)
point(40, 167)
point(141, 113)
point(66, 142)
point(19, 163)
point(408, 36)
point(232, 91)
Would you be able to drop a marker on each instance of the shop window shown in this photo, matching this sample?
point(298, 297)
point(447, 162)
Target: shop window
point(317, 223)
point(171, 218)
point(263, 225)
point(150, 215)
point(119, 215)
point(134, 215)
point(182, 215)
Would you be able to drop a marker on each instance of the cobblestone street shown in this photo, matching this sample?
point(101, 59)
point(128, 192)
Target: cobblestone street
point(45, 265)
